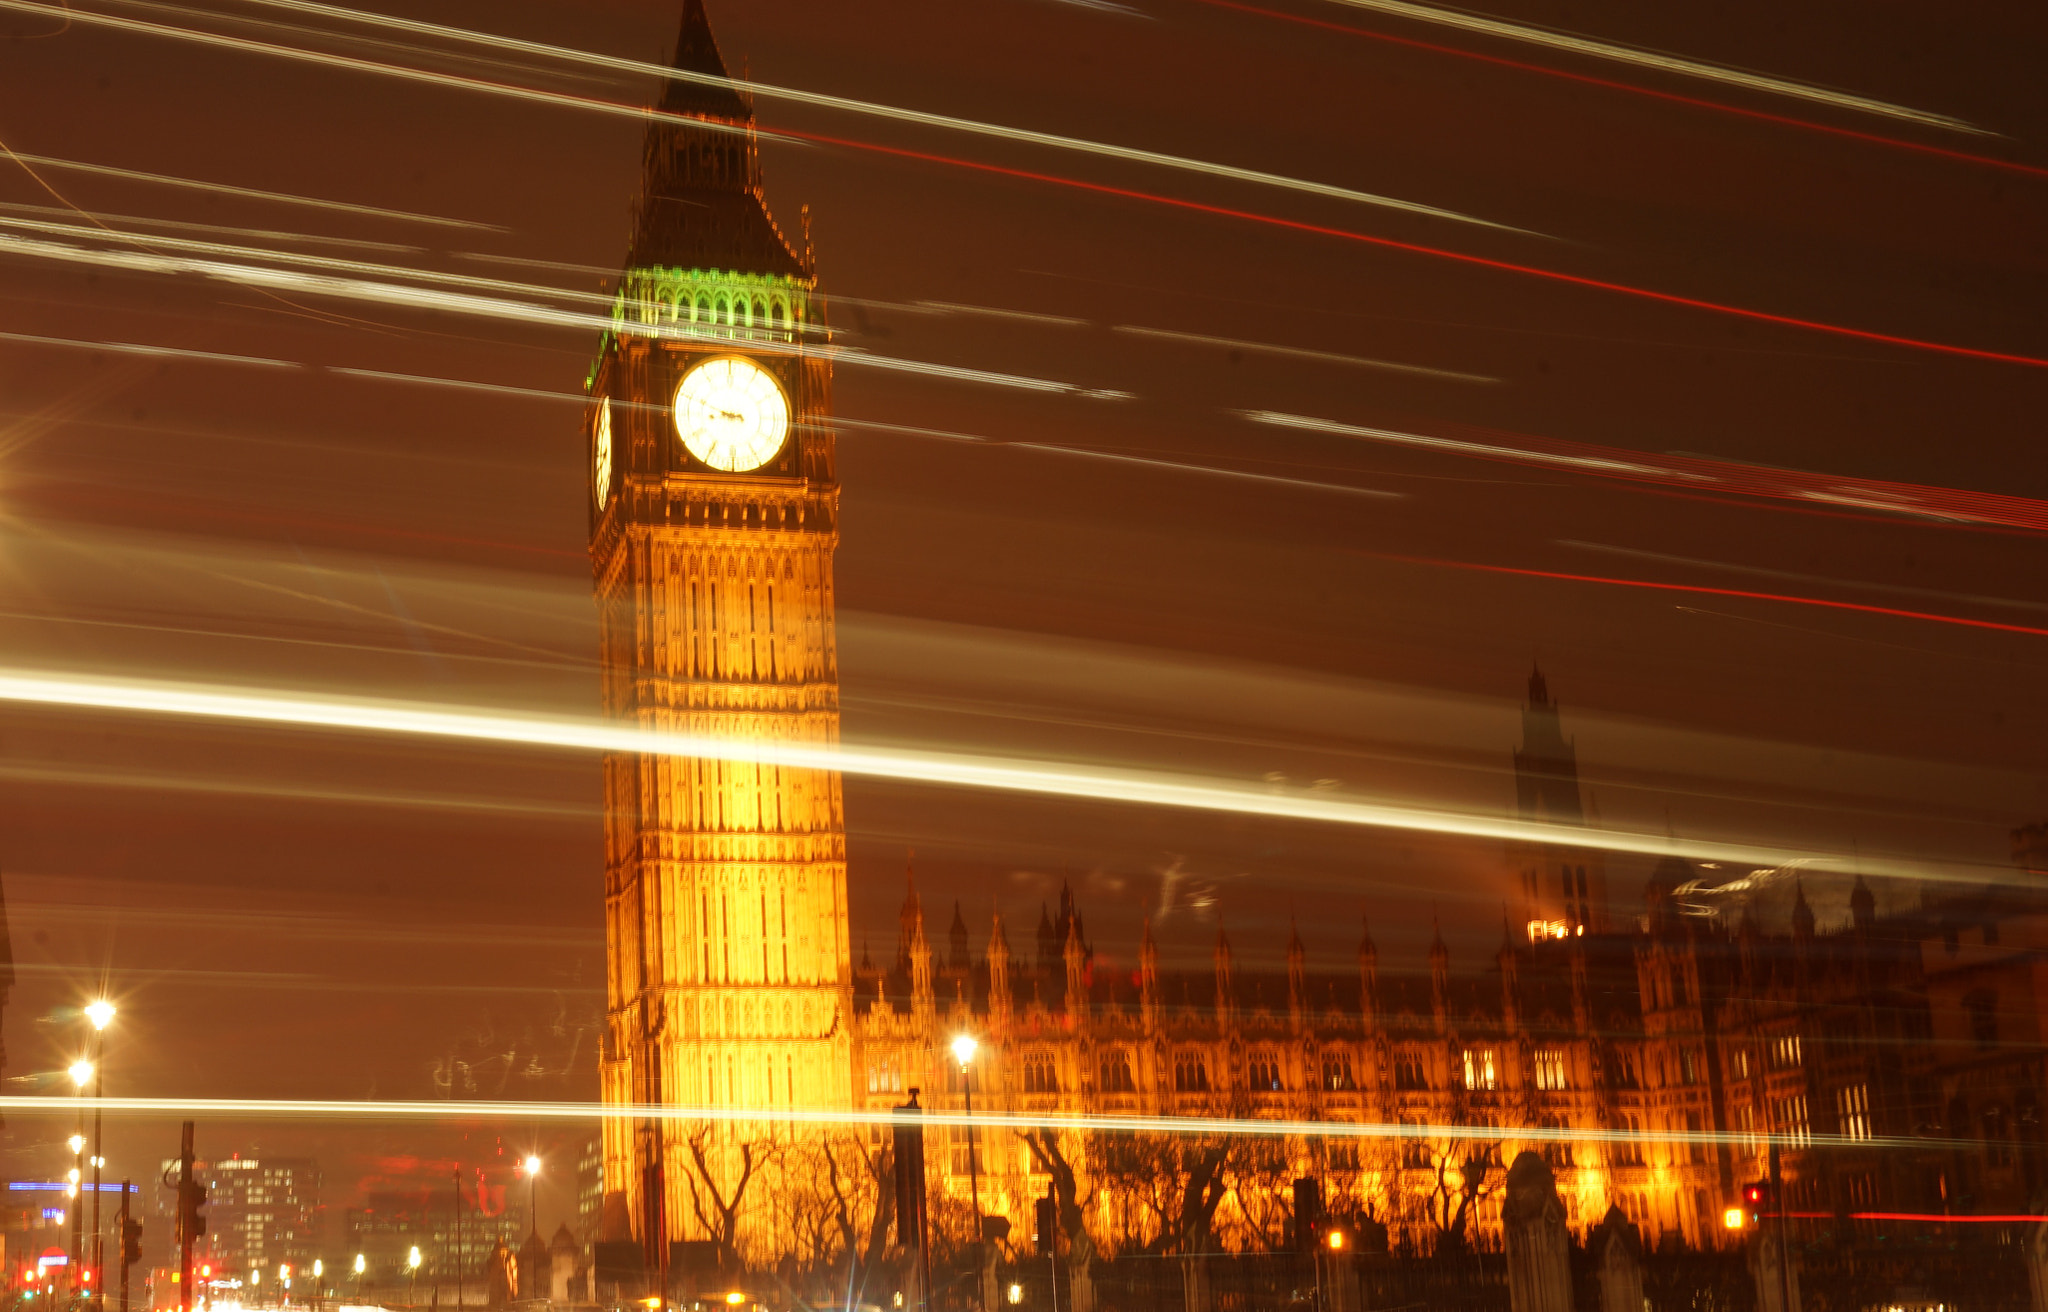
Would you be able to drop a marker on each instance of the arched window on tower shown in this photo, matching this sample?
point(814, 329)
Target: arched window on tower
point(701, 311)
point(722, 312)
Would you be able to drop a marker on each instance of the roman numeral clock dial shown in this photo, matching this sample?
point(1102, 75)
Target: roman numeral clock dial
point(731, 414)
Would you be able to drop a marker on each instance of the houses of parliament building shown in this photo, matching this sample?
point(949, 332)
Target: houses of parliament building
point(1897, 1054)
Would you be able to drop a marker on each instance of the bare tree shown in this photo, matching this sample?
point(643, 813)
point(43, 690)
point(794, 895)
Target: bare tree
point(1459, 1172)
point(1162, 1190)
point(1043, 1143)
point(717, 1173)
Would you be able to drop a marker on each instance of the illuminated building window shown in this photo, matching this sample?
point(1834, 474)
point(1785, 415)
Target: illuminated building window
point(1784, 1052)
point(1688, 1067)
point(1116, 1072)
point(1414, 1148)
point(1265, 1072)
point(1739, 1062)
point(1479, 1072)
point(883, 1077)
point(1337, 1074)
point(1549, 1069)
point(1852, 1105)
point(1542, 929)
point(1628, 1150)
point(1040, 1076)
point(1788, 1116)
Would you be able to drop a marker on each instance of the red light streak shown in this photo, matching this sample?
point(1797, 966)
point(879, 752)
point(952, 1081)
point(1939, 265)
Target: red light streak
point(1436, 252)
point(1629, 88)
point(1701, 589)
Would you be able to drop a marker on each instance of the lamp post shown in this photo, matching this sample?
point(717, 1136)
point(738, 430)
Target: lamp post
point(533, 1191)
point(964, 1047)
point(81, 1075)
point(101, 1013)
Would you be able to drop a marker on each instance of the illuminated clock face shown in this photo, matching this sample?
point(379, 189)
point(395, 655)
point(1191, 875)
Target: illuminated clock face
point(601, 452)
point(731, 414)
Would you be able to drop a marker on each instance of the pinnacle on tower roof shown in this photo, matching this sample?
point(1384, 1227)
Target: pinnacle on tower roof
point(1365, 944)
point(1539, 691)
point(1802, 914)
point(697, 52)
point(700, 204)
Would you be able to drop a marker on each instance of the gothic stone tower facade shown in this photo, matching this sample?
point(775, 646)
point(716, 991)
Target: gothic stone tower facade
point(714, 511)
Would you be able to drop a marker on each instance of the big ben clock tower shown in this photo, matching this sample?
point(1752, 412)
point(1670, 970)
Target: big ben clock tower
point(714, 514)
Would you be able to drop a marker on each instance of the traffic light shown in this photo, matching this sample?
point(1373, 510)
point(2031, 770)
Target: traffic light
point(1045, 1230)
point(131, 1241)
point(1308, 1214)
point(191, 1197)
point(1759, 1199)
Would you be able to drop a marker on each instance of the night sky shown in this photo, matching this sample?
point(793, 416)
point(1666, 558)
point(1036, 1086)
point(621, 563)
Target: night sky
point(313, 914)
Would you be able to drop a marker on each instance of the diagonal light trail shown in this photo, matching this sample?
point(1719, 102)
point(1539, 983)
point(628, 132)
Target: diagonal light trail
point(956, 770)
point(1022, 136)
point(1571, 43)
point(249, 193)
point(301, 283)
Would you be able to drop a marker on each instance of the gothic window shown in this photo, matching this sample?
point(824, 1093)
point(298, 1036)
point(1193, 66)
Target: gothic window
point(1337, 1075)
point(701, 311)
point(1116, 1072)
point(1739, 1059)
point(1783, 1052)
point(1556, 1151)
point(778, 317)
point(1788, 1117)
point(1628, 1150)
point(1190, 1073)
point(1982, 1004)
point(1695, 1147)
point(1479, 1072)
point(1852, 1106)
point(1688, 1067)
point(1997, 1137)
point(760, 315)
point(1627, 1076)
point(1039, 1074)
point(723, 312)
point(1265, 1072)
point(1414, 1148)
point(1550, 1069)
point(1408, 1073)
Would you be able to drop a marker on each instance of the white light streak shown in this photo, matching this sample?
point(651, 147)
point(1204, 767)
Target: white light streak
point(1663, 63)
point(215, 1108)
point(250, 193)
point(1300, 353)
point(1592, 464)
point(814, 99)
point(301, 283)
point(1015, 775)
point(139, 348)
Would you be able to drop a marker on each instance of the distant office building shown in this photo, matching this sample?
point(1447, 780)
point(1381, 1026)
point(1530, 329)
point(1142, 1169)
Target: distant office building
point(452, 1246)
point(260, 1212)
point(590, 1191)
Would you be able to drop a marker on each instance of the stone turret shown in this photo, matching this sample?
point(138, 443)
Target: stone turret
point(1368, 979)
point(1439, 981)
point(1297, 979)
point(998, 977)
point(1148, 979)
point(1226, 984)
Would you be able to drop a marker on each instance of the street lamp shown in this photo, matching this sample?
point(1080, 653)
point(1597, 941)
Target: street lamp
point(361, 1266)
point(964, 1047)
point(533, 1191)
point(101, 1013)
point(80, 1072)
point(412, 1266)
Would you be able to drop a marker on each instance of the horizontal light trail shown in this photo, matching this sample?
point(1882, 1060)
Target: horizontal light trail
point(1434, 252)
point(250, 193)
point(1702, 590)
point(1088, 453)
point(958, 770)
point(770, 1116)
point(1294, 225)
point(1661, 62)
point(1630, 88)
point(1302, 353)
point(301, 283)
point(1697, 472)
point(945, 122)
